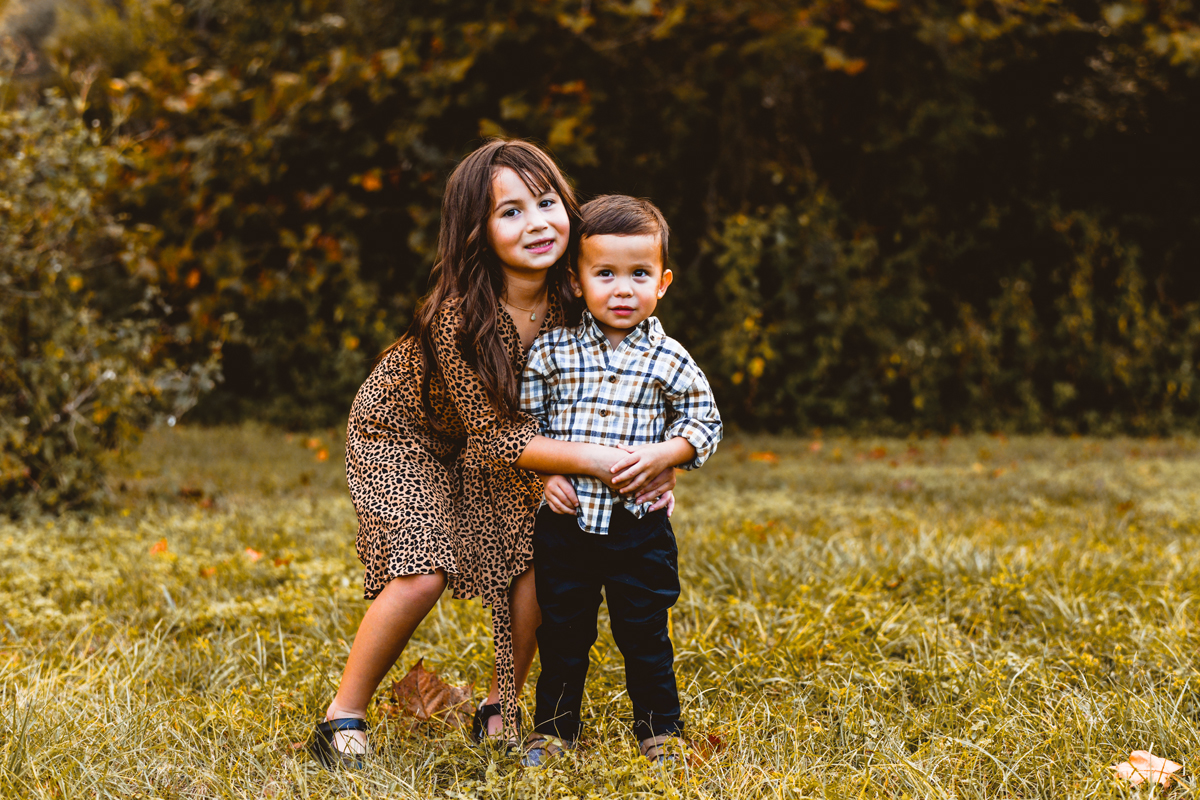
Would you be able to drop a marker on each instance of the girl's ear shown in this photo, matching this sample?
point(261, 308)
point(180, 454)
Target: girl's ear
point(664, 282)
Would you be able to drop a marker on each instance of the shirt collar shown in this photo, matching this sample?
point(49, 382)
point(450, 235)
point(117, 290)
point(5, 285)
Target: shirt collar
point(649, 332)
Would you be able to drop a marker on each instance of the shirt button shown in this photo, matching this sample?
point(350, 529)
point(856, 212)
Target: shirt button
point(612, 378)
point(604, 412)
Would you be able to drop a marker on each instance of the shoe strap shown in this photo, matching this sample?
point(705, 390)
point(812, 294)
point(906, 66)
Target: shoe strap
point(655, 743)
point(550, 745)
point(344, 724)
point(490, 710)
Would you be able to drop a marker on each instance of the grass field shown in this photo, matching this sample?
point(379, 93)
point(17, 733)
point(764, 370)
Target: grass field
point(974, 617)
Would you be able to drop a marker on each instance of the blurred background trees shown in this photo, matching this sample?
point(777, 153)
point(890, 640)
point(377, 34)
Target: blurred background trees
point(889, 216)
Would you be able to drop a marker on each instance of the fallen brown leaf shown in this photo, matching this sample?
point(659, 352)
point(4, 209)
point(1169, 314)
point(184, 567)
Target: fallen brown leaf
point(702, 750)
point(766, 456)
point(424, 695)
point(158, 548)
point(1145, 766)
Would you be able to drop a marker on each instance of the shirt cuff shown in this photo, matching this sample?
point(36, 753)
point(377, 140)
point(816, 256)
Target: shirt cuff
point(700, 436)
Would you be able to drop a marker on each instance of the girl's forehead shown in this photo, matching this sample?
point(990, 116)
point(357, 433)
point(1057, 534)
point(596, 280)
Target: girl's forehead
point(507, 184)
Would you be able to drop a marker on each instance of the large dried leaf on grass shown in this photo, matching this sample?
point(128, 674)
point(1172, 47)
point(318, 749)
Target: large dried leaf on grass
point(423, 695)
point(702, 749)
point(1145, 766)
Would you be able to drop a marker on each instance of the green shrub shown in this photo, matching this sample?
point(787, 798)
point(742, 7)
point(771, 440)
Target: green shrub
point(999, 234)
point(81, 371)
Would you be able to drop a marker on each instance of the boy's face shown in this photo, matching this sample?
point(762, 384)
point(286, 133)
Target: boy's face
point(621, 279)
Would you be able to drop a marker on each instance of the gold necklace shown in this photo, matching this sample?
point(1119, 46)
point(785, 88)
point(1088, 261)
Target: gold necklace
point(532, 311)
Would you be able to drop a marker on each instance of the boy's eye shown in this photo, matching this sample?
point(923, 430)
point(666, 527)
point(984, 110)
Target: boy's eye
point(640, 273)
point(605, 273)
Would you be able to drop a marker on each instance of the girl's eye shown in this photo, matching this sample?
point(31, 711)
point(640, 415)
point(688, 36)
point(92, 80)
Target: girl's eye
point(546, 203)
point(511, 212)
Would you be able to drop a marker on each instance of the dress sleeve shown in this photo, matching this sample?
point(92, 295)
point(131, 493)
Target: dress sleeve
point(692, 413)
point(492, 435)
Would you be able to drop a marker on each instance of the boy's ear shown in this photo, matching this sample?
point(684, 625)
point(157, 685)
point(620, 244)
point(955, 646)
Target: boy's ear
point(664, 282)
point(573, 280)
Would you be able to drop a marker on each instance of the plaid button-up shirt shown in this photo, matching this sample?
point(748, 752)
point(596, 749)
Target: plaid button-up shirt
point(645, 390)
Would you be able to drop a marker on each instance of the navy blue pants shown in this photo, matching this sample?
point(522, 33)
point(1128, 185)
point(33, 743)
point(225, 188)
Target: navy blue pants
point(636, 565)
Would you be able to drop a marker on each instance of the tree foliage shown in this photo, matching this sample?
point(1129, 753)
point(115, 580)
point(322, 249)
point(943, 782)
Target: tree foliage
point(903, 215)
point(81, 367)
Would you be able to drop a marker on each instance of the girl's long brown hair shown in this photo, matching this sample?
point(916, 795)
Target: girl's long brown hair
point(467, 268)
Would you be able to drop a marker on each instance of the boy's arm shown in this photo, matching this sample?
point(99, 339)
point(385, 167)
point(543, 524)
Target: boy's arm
point(535, 384)
point(536, 392)
point(693, 414)
point(692, 434)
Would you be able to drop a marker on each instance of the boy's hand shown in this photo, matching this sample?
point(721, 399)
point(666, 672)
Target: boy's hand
point(559, 494)
point(641, 465)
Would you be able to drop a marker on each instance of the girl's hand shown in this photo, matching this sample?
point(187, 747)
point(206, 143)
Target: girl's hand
point(660, 486)
point(667, 501)
point(559, 494)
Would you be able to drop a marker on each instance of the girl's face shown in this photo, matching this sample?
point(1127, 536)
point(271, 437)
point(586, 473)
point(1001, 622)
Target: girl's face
point(528, 232)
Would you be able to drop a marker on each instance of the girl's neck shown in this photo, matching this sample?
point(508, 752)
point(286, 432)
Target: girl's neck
point(522, 290)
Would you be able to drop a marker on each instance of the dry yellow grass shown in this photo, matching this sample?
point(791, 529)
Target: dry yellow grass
point(967, 618)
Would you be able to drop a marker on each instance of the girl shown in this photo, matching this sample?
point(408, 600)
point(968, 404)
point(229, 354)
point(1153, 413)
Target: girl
point(436, 450)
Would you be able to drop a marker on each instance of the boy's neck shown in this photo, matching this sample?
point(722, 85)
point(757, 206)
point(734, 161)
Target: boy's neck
point(614, 335)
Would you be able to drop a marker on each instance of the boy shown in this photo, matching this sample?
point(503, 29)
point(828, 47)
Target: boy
point(615, 379)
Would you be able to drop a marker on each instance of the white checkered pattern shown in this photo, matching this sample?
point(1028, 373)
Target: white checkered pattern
point(646, 390)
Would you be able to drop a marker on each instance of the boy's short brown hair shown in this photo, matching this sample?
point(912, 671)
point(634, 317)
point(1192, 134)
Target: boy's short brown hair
point(622, 215)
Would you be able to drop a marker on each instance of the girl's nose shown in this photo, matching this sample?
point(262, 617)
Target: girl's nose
point(535, 221)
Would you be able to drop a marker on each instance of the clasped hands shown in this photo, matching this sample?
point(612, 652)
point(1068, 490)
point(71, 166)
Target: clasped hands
point(645, 473)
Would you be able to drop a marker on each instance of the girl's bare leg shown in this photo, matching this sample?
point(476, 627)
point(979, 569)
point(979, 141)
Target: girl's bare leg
point(526, 617)
point(384, 631)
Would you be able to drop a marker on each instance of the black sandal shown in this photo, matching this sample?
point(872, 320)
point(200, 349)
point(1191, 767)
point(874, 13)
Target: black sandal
point(320, 746)
point(479, 722)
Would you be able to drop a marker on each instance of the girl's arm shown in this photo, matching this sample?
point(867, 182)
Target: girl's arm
point(544, 454)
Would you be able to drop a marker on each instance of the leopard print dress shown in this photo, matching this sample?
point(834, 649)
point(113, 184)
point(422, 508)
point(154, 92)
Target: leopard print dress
point(451, 501)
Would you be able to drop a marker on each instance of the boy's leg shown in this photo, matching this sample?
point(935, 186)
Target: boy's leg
point(568, 590)
point(641, 585)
